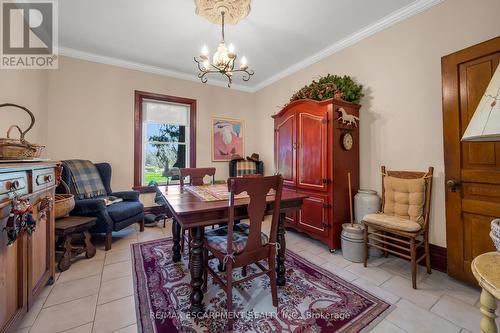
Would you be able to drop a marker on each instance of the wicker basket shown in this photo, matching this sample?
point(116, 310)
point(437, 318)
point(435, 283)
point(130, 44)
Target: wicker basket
point(63, 205)
point(19, 149)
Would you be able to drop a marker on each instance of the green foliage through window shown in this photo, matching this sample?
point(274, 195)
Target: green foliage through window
point(165, 152)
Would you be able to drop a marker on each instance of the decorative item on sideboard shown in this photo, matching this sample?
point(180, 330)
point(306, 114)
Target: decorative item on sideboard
point(19, 149)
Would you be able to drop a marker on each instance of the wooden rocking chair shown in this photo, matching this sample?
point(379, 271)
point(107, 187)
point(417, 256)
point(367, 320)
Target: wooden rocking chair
point(403, 225)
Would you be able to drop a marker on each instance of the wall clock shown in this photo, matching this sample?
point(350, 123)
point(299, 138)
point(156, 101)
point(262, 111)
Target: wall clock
point(347, 141)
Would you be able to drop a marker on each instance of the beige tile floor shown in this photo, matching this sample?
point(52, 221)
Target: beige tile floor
point(96, 295)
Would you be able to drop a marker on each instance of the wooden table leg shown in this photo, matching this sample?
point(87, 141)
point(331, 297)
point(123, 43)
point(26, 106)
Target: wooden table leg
point(176, 235)
point(196, 268)
point(488, 307)
point(89, 247)
point(280, 258)
point(65, 261)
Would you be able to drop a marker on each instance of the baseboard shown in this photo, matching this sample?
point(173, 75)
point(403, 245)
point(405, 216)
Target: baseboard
point(438, 256)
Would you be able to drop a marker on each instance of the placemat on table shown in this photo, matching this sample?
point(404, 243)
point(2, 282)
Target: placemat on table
point(217, 192)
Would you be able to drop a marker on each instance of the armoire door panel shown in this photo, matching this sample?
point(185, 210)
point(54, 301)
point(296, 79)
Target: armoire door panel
point(285, 148)
point(314, 214)
point(312, 144)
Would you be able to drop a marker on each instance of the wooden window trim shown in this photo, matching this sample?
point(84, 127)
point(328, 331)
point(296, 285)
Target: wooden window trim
point(139, 97)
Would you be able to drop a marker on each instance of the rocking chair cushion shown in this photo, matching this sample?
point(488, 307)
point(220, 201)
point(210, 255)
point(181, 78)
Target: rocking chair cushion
point(393, 222)
point(217, 238)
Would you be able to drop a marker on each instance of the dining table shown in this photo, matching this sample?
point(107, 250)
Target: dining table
point(190, 212)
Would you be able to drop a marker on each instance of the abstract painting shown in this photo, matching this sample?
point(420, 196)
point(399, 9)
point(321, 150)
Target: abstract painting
point(227, 139)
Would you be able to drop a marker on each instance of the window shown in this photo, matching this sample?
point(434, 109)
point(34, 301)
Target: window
point(165, 135)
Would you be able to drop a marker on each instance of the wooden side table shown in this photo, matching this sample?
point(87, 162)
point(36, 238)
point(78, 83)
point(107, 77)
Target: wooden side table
point(486, 270)
point(66, 228)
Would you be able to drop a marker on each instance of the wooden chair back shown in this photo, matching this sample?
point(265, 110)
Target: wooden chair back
point(252, 175)
point(413, 175)
point(257, 189)
point(196, 175)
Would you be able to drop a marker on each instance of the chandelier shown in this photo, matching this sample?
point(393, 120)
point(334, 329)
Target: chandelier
point(223, 62)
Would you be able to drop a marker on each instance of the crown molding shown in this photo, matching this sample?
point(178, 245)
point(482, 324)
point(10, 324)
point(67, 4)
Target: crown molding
point(399, 15)
point(72, 53)
point(389, 20)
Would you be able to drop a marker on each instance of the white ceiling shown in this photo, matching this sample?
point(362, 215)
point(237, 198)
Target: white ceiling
point(278, 36)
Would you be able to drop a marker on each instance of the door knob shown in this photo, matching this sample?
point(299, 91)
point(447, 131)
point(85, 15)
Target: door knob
point(453, 184)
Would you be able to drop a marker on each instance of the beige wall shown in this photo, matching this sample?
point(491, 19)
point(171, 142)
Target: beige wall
point(27, 88)
point(401, 123)
point(92, 114)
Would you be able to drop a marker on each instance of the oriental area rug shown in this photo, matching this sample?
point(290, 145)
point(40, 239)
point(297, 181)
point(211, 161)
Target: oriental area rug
point(313, 299)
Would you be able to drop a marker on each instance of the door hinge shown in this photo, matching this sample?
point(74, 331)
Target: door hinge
point(276, 130)
point(327, 205)
point(327, 226)
point(327, 181)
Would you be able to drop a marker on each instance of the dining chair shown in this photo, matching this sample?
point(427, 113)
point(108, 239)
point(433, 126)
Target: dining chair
point(403, 225)
point(241, 245)
point(196, 178)
point(196, 175)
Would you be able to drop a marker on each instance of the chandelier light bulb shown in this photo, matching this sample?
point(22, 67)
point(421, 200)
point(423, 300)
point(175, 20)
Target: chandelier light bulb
point(243, 63)
point(222, 58)
point(204, 51)
point(231, 48)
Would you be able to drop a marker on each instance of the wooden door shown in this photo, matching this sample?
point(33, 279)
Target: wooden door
point(312, 143)
point(472, 170)
point(285, 146)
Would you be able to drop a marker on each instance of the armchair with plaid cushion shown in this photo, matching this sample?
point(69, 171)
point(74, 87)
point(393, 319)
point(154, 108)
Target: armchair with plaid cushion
point(90, 184)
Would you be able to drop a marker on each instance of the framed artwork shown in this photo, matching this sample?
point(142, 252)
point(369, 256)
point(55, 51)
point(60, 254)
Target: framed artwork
point(227, 138)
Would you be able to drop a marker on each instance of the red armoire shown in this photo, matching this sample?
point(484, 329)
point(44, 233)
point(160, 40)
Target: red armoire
point(316, 145)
